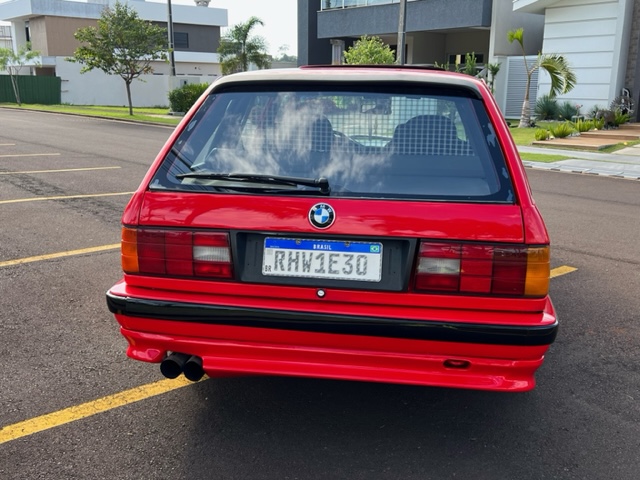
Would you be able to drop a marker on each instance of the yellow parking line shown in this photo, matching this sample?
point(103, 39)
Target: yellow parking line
point(556, 272)
point(59, 171)
point(84, 410)
point(64, 197)
point(28, 154)
point(68, 253)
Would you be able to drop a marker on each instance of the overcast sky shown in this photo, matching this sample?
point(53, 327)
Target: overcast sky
point(280, 19)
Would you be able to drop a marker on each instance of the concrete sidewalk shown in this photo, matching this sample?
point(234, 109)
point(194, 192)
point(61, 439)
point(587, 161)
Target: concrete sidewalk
point(624, 163)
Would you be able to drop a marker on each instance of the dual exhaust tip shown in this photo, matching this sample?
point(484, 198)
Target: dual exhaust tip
point(176, 363)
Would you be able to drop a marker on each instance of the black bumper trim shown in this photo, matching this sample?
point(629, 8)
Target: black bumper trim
point(336, 324)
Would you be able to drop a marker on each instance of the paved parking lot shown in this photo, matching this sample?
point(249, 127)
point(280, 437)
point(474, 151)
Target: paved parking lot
point(73, 406)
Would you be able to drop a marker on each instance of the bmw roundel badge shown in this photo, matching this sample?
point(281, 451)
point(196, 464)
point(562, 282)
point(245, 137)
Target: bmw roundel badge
point(322, 215)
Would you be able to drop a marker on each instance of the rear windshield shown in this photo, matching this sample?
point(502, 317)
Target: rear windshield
point(417, 143)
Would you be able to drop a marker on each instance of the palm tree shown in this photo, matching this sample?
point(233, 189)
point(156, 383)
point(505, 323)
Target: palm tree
point(562, 77)
point(238, 48)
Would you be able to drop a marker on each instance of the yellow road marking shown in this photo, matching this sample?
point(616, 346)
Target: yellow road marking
point(59, 171)
point(556, 272)
point(68, 253)
point(28, 154)
point(63, 197)
point(84, 410)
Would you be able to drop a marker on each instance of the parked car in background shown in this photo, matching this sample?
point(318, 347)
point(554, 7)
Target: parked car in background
point(354, 223)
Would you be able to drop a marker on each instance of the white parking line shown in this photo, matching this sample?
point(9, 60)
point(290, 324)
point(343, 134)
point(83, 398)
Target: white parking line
point(63, 197)
point(59, 171)
point(28, 154)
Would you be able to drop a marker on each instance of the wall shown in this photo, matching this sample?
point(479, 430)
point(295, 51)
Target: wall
point(111, 90)
point(425, 15)
point(505, 19)
point(58, 34)
point(428, 48)
point(632, 77)
point(466, 42)
point(202, 38)
point(311, 50)
point(593, 35)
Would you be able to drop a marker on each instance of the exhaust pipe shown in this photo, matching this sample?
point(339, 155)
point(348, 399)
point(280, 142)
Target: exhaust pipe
point(173, 364)
point(193, 369)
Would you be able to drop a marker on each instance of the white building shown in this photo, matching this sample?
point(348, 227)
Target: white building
point(599, 38)
point(50, 26)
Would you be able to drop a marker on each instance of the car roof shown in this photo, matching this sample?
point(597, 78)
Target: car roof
point(359, 74)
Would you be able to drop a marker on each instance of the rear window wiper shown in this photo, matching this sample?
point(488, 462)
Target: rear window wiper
point(322, 184)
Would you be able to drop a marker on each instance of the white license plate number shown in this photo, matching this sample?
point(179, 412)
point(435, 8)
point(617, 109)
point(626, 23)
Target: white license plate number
point(331, 259)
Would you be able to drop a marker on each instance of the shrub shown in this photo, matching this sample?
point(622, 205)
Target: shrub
point(620, 118)
point(598, 123)
point(182, 99)
point(562, 130)
point(593, 112)
point(546, 108)
point(583, 125)
point(541, 134)
point(567, 110)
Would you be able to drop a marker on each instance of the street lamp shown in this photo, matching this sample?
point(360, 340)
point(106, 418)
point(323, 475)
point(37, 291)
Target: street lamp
point(402, 26)
point(172, 60)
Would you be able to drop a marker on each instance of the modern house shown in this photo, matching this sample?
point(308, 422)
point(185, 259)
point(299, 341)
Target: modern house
point(50, 26)
point(599, 38)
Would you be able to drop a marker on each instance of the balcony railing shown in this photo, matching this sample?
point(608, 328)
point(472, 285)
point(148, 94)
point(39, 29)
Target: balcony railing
point(336, 4)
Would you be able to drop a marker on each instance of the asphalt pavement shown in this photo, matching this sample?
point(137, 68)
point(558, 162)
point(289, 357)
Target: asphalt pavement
point(624, 163)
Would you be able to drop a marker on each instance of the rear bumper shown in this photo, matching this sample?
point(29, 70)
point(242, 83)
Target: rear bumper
point(235, 341)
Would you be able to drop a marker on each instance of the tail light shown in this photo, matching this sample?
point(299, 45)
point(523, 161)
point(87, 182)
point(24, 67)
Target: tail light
point(483, 269)
point(176, 253)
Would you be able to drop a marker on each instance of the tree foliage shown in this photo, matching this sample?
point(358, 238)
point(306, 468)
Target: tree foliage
point(239, 48)
point(13, 62)
point(122, 44)
point(563, 80)
point(369, 51)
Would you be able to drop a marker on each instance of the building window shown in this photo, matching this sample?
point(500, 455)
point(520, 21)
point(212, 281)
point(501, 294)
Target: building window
point(180, 40)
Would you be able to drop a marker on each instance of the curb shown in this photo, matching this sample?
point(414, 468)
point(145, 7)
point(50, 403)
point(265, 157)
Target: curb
point(602, 172)
point(100, 117)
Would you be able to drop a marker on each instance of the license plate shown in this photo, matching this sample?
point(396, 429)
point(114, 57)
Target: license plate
point(334, 259)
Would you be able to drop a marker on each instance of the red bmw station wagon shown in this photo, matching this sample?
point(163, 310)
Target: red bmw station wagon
point(354, 223)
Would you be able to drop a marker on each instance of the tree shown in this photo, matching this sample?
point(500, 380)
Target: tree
point(369, 51)
point(283, 55)
point(122, 44)
point(238, 48)
point(13, 62)
point(492, 72)
point(563, 80)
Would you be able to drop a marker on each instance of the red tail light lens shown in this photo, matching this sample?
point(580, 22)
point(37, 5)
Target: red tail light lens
point(176, 253)
point(484, 269)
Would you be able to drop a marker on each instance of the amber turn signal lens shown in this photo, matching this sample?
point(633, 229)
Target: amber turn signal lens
point(129, 250)
point(538, 271)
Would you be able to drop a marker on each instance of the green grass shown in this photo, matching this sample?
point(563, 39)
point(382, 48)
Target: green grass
point(619, 146)
point(140, 114)
point(526, 136)
point(542, 157)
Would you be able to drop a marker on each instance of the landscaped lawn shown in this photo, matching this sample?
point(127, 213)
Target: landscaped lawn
point(156, 115)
